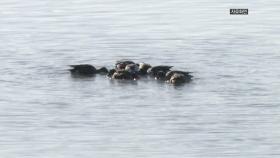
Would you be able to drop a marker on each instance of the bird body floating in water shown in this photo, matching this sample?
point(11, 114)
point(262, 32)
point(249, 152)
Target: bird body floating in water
point(121, 64)
point(169, 74)
point(143, 68)
point(178, 77)
point(153, 71)
point(87, 70)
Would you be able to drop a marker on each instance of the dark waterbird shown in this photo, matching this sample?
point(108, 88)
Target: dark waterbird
point(143, 68)
point(87, 70)
point(178, 79)
point(161, 68)
point(169, 74)
point(132, 68)
point(121, 64)
point(111, 73)
point(123, 75)
point(160, 75)
point(159, 72)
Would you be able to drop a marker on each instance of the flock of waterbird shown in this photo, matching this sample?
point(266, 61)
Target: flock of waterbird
point(129, 70)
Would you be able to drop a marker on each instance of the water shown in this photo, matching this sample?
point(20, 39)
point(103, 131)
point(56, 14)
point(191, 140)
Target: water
point(231, 109)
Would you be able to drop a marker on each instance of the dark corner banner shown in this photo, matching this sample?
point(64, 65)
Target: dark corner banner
point(239, 11)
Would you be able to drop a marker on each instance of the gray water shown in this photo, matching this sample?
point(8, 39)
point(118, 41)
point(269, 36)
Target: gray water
point(231, 109)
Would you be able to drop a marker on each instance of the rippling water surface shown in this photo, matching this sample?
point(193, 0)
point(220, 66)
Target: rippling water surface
point(231, 109)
